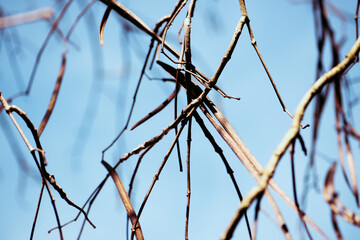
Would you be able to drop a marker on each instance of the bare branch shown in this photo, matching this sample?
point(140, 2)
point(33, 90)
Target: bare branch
point(290, 135)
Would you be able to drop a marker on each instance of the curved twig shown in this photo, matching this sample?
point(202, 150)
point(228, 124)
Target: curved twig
point(291, 135)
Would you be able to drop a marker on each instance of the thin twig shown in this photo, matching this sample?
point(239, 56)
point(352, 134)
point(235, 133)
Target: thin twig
point(230, 136)
point(356, 18)
point(37, 211)
point(134, 98)
point(188, 65)
point(301, 213)
point(332, 198)
point(54, 96)
point(43, 46)
point(102, 25)
point(45, 175)
point(26, 17)
point(126, 201)
point(229, 170)
point(131, 184)
point(156, 177)
point(290, 135)
point(156, 110)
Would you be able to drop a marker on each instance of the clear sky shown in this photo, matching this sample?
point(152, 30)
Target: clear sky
point(94, 103)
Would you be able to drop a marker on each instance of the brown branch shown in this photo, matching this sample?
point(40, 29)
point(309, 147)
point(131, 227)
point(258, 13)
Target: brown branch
point(37, 211)
point(156, 177)
point(54, 96)
point(292, 161)
point(331, 197)
point(252, 165)
point(256, 218)
point(356, 18)
point(352, 169)
point(131, 184)
point(155, 111)
point(188, 66)
point(229, 170)
point(180, 4)
point(60, 76)
point(43, 46)
point(336, 226)
point(102, 25)
point(254, 44)
point(126, 201)
point(228, 133)
point(26, 17)
point(188, 192)
point(42, 167)
point(290, 135)
point(137, 86)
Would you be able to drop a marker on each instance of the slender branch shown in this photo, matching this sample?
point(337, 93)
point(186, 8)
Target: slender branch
point(228, 133)
point(229, 170)
point(188, 180)
point(188, 65)
point(135, 94)
point(332, 198)
point(45, 175)
point(356, 18)
point(37, 211)
point(301, 213)
point(131, 184)
point(26, 17)
point(126, 201)
point(43, 46)
point(156, 110)
point(290, 135)
point(54, 96)
point(156, 177)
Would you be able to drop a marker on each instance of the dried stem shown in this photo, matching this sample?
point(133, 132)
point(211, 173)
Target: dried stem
point(43, 46)
point(156, 177)
point(332, 198)
point(26, 17)
point(188, 65)
point(37, 211)
point(230, 136)
point(229, 170)
point(301, 213)
point(290, 135)
point(126, 201)
point(54, 96)
point(134, 97)
point(356, 18)
point(45, 175)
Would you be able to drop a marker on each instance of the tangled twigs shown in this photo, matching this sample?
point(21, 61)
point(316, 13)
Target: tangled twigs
point(41, 163)
point(229, 170)
point(291, 135)
point(332, 198)
point(141, 75)
point(230, 136)
point(156, 176)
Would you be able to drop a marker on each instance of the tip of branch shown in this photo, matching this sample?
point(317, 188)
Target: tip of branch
point(306, 126)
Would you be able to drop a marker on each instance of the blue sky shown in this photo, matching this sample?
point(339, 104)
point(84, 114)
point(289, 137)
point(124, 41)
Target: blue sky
point(106, 76)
